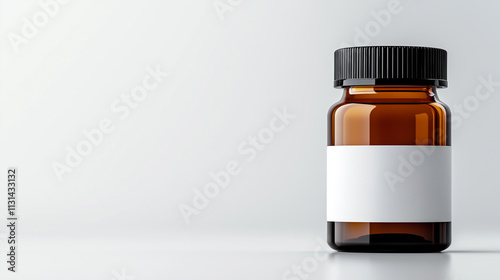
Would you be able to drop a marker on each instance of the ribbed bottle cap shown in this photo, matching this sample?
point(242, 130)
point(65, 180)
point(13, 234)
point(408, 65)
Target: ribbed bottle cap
point(390, 65)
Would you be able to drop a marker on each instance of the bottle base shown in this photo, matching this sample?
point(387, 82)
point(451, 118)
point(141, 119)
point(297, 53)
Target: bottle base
point(389, 237)
point(390, 248)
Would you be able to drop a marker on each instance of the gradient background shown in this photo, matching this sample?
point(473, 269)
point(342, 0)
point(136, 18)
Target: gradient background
point(119, 210)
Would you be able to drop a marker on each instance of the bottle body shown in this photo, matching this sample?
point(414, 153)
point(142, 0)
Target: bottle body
point(398, 119)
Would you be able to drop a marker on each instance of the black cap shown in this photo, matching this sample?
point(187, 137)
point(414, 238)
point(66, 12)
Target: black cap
point(390, 65)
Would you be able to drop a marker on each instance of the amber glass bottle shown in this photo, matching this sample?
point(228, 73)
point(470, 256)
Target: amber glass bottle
point(389, 152)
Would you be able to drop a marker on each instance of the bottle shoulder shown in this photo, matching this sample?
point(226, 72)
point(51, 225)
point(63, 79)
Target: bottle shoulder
point(343, 108)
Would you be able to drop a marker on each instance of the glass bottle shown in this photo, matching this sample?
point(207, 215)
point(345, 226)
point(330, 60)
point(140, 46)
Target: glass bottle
point(389, 155)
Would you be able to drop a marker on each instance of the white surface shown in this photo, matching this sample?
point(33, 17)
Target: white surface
point(243, 257)
point(388, 183)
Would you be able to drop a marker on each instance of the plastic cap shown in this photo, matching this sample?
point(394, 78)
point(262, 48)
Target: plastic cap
point(390, 65)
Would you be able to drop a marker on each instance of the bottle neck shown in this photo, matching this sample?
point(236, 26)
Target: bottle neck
point(390, 94)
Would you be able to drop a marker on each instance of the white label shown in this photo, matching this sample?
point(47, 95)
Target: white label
point(389, 183)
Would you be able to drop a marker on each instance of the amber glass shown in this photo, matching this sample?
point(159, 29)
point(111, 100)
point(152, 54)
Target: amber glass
point(389, 115)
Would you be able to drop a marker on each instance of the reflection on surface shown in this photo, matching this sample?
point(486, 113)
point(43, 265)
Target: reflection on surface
point(388, 266)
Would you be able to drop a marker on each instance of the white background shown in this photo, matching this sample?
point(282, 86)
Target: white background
point(118, 210)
